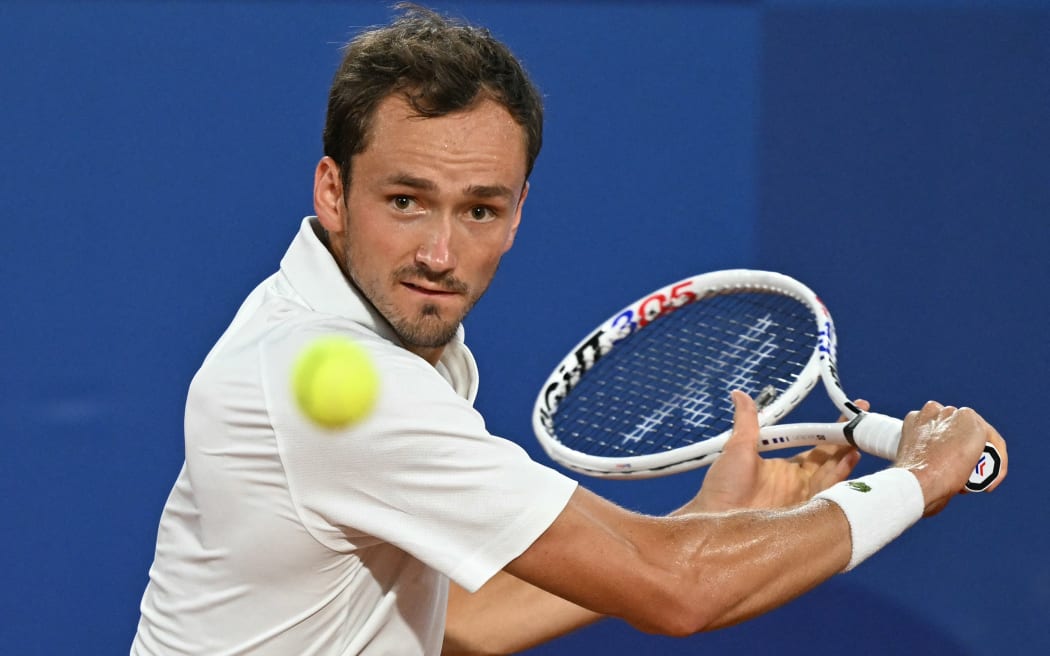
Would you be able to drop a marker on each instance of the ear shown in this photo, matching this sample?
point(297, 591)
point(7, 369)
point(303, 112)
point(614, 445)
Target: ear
point(328, 195)
point(517, 218)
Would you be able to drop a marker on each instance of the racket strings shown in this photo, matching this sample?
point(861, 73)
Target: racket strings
point(668, 384)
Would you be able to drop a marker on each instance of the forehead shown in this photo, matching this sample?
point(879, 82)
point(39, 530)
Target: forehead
point(483, 136)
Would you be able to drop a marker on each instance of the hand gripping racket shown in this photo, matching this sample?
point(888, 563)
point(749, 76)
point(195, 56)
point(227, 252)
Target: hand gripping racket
point(647, 393)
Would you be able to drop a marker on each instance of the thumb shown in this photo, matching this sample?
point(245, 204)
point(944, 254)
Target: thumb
point(745, 423)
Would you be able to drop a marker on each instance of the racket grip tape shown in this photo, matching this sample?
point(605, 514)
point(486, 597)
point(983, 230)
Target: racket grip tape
point(880, 435)
point(876, 434)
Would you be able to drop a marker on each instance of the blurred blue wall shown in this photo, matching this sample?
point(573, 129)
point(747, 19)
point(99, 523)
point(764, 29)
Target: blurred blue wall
point(157, 157)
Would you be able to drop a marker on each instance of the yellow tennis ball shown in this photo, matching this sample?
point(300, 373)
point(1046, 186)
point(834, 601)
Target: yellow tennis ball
point(335, 382)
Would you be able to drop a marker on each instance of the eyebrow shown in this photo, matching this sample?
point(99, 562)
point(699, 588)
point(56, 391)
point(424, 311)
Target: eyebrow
point(490, 191)
point(478, 191)
point(406, 180)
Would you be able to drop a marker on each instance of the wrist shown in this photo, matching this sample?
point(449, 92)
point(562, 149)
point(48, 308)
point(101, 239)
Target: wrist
point(879, 507)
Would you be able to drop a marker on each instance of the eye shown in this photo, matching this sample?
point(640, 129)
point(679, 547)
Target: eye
point(403, 203)
point(482, 213)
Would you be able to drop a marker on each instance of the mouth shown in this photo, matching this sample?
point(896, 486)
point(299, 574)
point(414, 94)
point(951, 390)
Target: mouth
point(430, 291)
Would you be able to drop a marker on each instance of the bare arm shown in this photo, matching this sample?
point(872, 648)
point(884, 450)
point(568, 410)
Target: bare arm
point(508, 615)
point(663, 595)
point(689, 573)
point(698, 570)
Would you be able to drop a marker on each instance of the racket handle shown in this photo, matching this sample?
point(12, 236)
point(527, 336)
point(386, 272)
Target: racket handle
point(876, 434)
point(880, 435)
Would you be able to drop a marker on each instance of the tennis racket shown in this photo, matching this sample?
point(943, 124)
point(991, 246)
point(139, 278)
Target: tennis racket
point(647, 393)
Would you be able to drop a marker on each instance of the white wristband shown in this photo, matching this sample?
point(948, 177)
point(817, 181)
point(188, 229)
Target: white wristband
point(879, 507)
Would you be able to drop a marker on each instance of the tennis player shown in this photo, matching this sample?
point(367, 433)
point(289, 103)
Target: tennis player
point(416, 531)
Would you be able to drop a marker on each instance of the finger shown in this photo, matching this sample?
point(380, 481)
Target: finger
point(827, 465)
point(966, 429)
point(840, 469)
point(745, 423)
point(929, 410)
point(860, 403)
point(992, 436)
point(915, 422)
point(813, 458)
point(996, 440)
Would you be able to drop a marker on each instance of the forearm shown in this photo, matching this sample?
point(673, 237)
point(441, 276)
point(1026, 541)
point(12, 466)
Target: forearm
point(507, 615)
point(698, 571)
point(688, 573)
point(748, 563)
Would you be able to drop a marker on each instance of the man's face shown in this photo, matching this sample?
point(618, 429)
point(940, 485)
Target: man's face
point(433, 205)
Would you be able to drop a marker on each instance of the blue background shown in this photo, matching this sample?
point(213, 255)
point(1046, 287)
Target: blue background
point(158, 156)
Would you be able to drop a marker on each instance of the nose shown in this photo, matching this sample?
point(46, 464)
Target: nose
point(435, 250)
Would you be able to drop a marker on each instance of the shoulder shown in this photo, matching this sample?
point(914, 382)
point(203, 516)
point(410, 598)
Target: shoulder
point(410, 388)
point(282, 345)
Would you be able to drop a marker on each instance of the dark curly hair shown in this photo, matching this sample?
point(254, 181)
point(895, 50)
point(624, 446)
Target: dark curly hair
point(440, 65)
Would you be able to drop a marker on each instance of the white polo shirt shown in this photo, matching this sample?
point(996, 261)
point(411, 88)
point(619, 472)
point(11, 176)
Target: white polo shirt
point(280, 537)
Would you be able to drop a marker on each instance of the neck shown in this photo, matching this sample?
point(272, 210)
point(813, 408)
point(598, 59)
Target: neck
point(430, 354)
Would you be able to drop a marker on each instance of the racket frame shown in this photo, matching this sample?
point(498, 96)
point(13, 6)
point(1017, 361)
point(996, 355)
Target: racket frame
point(871, 432)
point(634, 317)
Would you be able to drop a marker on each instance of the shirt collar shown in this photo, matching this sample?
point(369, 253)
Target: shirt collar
point(317, 278)
point(315, 275)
